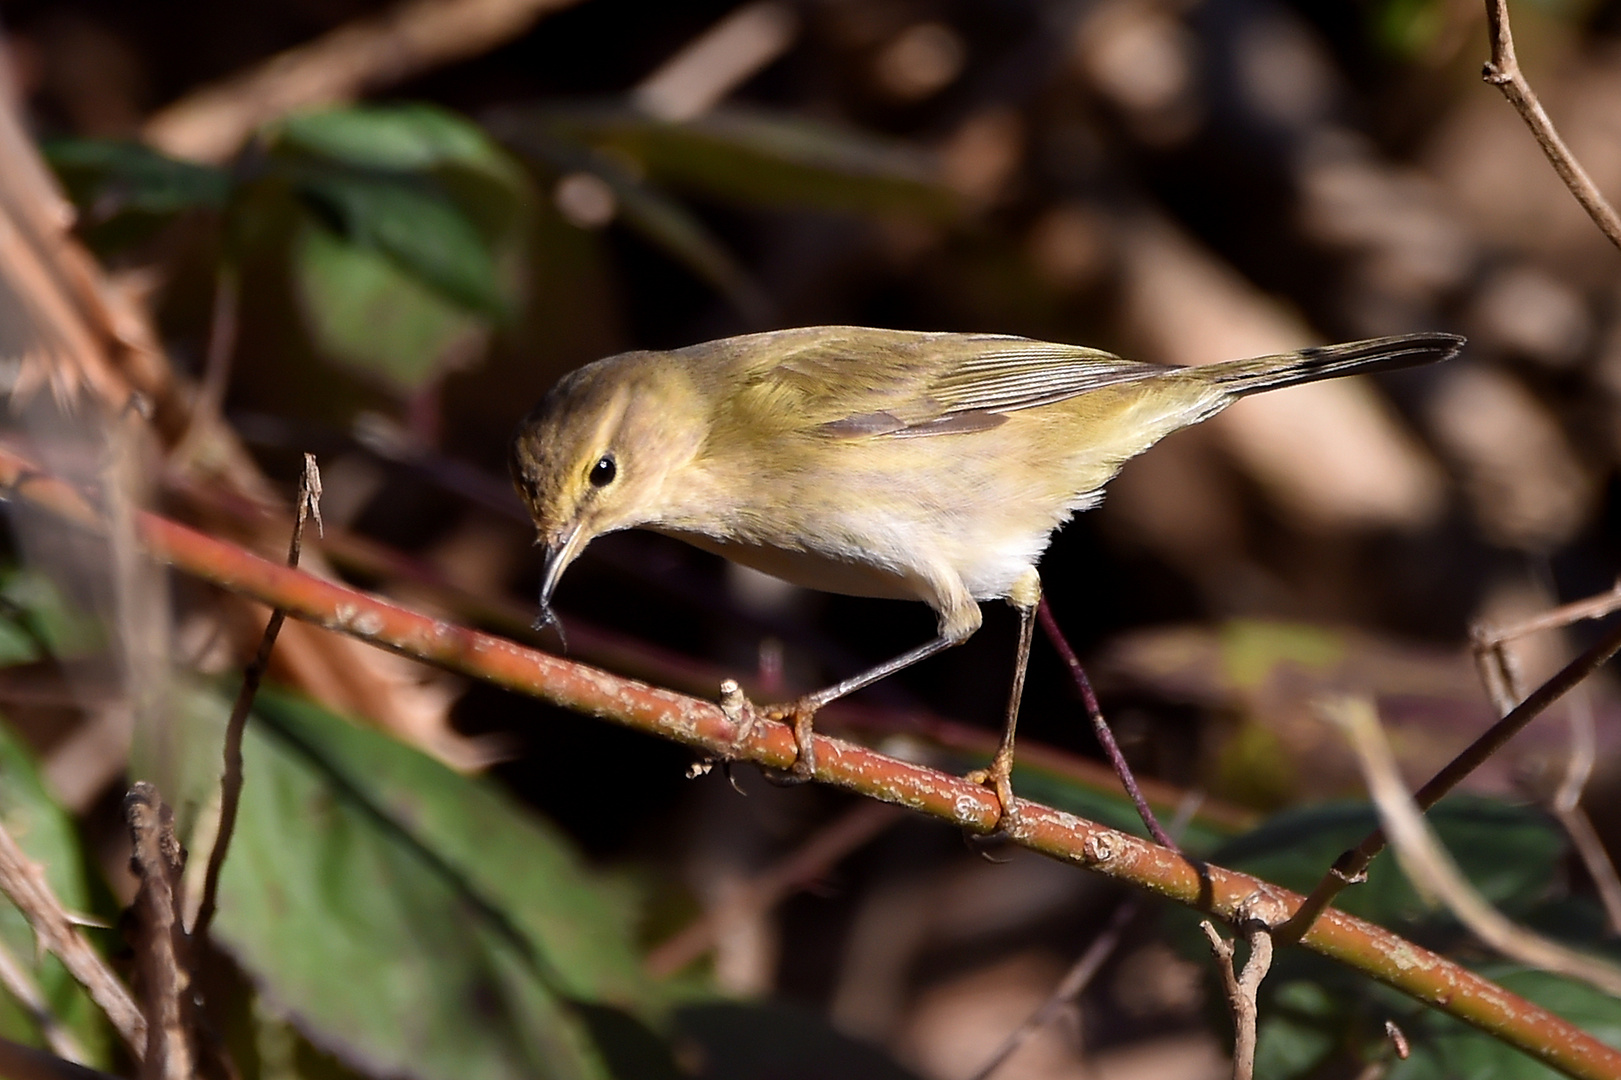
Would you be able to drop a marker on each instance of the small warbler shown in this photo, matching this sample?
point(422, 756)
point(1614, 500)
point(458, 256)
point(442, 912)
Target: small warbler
point(885, 463)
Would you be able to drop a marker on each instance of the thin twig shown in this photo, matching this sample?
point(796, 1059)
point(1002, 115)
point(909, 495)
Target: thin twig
point(1566, 806)
point(1433, 872)
point(1242, 988)
point(1390, 959)
point(223, 323)
point(1596, 858)
point(23, 987)
point(1070, 987)
point(1352, 866)
point(24, 882)
point(309, 505)
point(377, 50)
point(1100, 726)
point(1086, 966)
point(1398, 1040)
point(717, 61)
point(1503, 72)
point(157, 859)
point(807, 864)
point(1593, 607)
point(1500, 674)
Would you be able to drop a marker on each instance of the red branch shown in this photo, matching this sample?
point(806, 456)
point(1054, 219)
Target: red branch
point(1376, 952)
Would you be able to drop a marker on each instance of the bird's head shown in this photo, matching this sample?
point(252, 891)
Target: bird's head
point(602, 452)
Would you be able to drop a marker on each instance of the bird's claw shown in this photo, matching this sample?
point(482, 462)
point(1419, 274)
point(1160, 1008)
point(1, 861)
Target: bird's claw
point(999, 778)
point(746, 716)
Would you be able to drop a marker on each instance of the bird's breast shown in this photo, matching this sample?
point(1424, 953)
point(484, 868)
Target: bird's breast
point(851, 572)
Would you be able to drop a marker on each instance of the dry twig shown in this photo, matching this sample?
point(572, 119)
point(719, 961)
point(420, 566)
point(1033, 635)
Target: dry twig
point(719, 60)
point(1503, 72)
point(1242, 988)
point(223, 324)
point(1070, 987)
point(1593, 607)
point(1500, 674)
point(364, 55)
point(1085, 969)
point(831, 843)
point(1351, 867)
point(1386, 957)
point(23, 987)
point(23, 880)
point(309, 505)
point(1431, 869)
point(166, 976)
point(1100, 726)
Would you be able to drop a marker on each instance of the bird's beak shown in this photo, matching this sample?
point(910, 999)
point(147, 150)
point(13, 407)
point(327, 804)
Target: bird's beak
point(559, 553)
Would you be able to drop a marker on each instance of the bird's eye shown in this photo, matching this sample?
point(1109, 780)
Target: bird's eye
point(604, 471)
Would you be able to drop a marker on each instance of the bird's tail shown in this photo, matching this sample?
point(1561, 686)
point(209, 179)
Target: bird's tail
point(1240, 377)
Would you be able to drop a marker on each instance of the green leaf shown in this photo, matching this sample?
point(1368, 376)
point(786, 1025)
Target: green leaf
point(106, 177)
point(419, 230)
point(423, 187)
point(1443, 1047)
point(367, 313)
point(37, 619)
point(46, 834)
point(1512, 854)
point(753, 157)
point(419, 142)
point(407, 138)
point(412, 920)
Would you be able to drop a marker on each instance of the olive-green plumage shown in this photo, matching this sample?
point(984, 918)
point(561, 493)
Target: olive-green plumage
point(888, 463)
point(885, 463)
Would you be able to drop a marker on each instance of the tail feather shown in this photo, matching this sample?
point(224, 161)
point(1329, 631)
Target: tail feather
point(1240, 377)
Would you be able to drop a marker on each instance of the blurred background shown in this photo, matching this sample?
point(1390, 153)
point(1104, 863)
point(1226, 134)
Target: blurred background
point(379, 234)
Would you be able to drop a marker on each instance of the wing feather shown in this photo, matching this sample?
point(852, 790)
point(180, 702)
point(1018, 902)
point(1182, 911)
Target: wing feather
point(854, 383)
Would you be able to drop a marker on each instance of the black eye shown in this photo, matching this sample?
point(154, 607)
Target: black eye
point(604, 471)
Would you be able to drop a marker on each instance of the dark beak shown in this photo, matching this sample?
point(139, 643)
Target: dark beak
point(559, 553)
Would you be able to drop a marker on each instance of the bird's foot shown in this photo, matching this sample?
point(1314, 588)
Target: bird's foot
point(745, 716)
point(999, 778)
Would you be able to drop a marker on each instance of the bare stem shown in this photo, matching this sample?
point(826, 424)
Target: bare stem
point(157, 859)
point(377, 50)
point(1593, 607)
point(309, 505)
point(1085, 968)
point(1242, 989)
point(22, 985)
point(1351, 867)
point(1500, 675)
point(831, 843)
point(1503, 72)
point(23, 881)
point(1070, 987)
point(1101, 727)
point(1431, 869)
point(1226, 894)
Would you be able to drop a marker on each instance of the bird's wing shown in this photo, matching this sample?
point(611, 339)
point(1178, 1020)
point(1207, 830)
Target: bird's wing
point(859, 383)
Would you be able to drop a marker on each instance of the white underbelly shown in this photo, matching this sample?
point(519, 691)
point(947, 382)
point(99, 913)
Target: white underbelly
point(988, 563)
point(812, 569)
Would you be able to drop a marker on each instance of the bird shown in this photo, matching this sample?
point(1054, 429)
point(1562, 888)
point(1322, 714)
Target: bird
point(914, 465)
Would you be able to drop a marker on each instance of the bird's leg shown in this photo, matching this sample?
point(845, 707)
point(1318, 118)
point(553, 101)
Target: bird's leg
point(999, 776)
point(802, 711)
